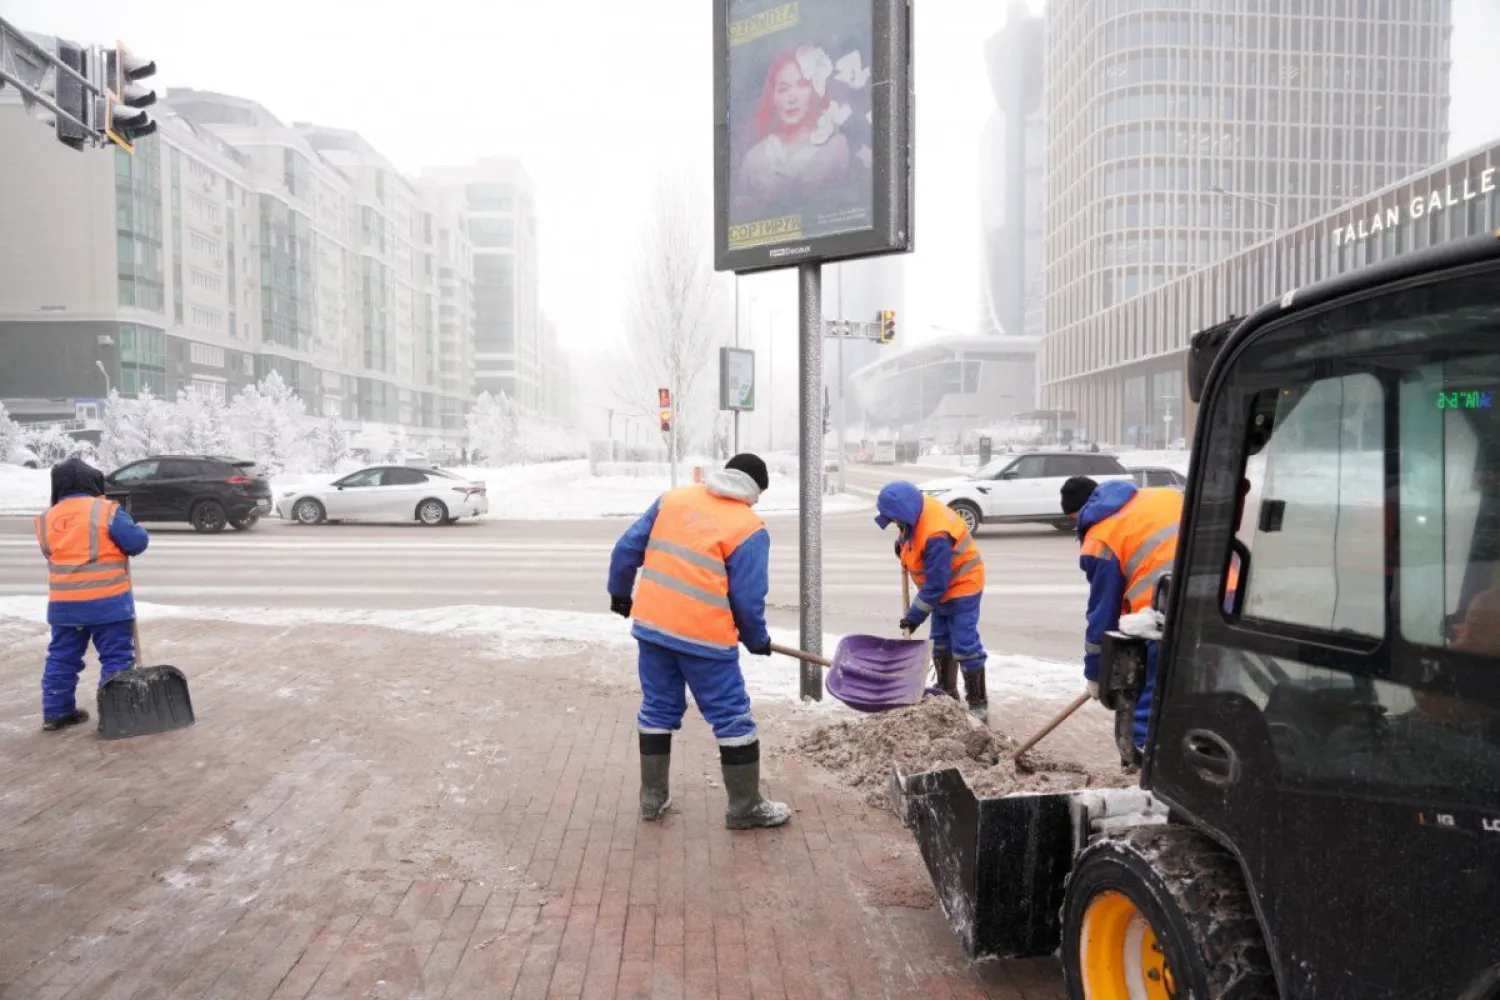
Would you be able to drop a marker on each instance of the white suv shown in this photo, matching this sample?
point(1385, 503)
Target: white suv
point(1022, 489)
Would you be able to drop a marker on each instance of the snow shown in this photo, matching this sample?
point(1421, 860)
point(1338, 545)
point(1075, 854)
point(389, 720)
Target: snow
point(24, 491)
point(532, 633)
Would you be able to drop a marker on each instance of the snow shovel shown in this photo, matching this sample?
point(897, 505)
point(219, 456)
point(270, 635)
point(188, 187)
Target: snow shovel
point(871, 674)
point(142, 701)
point(1057, 720)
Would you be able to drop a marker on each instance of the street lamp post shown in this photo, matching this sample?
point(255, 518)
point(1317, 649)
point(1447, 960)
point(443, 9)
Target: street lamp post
point(1275, 224)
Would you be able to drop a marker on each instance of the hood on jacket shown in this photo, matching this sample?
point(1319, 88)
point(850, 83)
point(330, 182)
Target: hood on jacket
point(899, 502)
point(1106, 501)
point(75, 477)
point(733, 485)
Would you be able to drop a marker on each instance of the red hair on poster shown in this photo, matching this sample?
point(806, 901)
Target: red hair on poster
point(789, 102)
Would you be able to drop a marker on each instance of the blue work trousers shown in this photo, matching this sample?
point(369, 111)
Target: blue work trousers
point(955, 629)
point(115, 644)
point(718, 690)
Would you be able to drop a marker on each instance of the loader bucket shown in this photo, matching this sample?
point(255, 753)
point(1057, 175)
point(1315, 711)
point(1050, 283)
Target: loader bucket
point(998, 865)
point(873, 674)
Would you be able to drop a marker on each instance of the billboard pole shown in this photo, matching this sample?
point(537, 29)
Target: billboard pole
point(843, 335)
point(810, 335)
point(736, 344)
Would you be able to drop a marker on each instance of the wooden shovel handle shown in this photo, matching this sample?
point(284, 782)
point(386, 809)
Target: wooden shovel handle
point(1057, 720)
point(798, 654)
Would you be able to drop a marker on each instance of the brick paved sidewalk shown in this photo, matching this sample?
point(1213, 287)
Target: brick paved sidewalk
point(370, 813)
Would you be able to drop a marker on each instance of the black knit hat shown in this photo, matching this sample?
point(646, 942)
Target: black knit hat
point(753, 466)
point(1076, 493)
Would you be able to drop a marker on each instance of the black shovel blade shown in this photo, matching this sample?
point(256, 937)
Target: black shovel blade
point(144, 700)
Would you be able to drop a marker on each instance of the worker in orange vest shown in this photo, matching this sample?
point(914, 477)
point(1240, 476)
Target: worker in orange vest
point(937, 549)
point(1129, 539)
point(703, 556)
point(88, 542)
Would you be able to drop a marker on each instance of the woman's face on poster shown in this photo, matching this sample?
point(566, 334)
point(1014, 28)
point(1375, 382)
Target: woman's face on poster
point(793, 96)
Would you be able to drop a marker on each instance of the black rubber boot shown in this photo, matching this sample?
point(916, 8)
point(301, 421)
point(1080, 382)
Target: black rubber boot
point(979, 702)
point(747, 810)
point(74, 718)
point(947, 670)
point(656, 765)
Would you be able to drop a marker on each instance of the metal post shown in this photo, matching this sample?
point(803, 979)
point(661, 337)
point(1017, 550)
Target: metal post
point(737, 344)
point(810, 336)
point(771, 379)
point(843, 414)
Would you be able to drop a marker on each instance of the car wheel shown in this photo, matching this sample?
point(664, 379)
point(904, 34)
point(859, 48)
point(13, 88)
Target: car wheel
point(432, 512)
point(1162, 912)
point(309, 511)
point(208, 517)
point(244, 523)
point(969, 513)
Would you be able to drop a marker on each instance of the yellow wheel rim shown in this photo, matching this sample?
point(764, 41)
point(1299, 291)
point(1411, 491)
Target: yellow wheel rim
point(1119, 954)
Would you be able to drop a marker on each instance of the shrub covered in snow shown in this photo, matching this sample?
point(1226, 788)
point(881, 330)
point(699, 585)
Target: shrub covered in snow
point(501, 433)
point(10, 434)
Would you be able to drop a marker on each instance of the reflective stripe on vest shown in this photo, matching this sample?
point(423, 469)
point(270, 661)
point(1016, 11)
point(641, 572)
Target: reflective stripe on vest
point(1142, 537)
point(967, 577)
point(83, 562)
point(684, 588)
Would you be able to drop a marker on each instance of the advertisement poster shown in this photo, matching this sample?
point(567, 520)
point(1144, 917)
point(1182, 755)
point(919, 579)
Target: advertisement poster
point(800, 120)
point(736, 379)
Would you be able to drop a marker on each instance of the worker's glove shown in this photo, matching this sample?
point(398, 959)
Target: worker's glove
point(1094, 690)
point(763, 649)
point(897, 548)
point(908, 626)
point(621, 606)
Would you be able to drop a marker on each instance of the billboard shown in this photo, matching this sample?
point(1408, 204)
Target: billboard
point(736, 379)
point(812, 137)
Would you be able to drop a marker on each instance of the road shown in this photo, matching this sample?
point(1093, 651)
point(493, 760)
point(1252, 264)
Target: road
point(1033, 603)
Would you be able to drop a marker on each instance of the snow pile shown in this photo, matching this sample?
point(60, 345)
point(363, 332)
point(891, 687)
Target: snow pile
point(939, 733)
point(24, 491)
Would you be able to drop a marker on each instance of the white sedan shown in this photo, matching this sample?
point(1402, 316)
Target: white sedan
point(388, 493)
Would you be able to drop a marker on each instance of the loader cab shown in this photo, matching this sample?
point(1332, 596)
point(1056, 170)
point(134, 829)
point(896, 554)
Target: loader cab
point(1329, 704)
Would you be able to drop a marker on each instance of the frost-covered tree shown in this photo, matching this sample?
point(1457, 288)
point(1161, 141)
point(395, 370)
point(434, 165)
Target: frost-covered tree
point(268, 421)
point(676, 323)
point(135, 428)
point(202, 423)
point(10, 434)
point(330, 444)
point(493, 429)
point(51, 444)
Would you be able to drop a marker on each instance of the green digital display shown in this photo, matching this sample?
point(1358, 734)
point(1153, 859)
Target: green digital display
point(1465, 399)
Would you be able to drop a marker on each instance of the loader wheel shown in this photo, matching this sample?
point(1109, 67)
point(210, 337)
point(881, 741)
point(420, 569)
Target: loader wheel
point(1162, 913)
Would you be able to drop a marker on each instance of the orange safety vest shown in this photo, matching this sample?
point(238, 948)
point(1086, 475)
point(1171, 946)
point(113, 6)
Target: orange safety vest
point(1142, 536)
point(967, 577)
point(83, 562)
point(684, 588)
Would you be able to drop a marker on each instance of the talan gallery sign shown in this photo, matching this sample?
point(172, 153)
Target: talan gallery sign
point(1437, 200)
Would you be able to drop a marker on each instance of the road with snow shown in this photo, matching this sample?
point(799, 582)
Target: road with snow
point(1034, 601)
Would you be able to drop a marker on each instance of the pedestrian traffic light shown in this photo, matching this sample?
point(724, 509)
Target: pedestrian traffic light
point(126, 98)
point(887, 325)
point(666, 421)
point(40, 64)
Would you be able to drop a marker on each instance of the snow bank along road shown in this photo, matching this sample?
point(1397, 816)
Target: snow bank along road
point(1034, 603)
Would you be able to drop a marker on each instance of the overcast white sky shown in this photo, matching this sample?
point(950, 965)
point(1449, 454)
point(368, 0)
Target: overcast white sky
point(596, 95)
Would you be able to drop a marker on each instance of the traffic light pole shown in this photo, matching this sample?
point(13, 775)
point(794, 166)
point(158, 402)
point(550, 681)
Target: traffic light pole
point(843, 388)
point(810, 440)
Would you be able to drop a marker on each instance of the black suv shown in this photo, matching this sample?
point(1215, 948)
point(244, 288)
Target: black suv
point(206, 491)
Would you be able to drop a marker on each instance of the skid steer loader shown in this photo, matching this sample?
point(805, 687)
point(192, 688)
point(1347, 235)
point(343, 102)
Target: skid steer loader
point(1319, 811)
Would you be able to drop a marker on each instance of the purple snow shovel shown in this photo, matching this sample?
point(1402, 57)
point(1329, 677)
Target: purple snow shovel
point(871, 674)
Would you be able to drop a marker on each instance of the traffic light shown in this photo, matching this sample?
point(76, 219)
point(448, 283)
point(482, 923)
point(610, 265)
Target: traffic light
point(666, 421)
point(36, 61)
point(887, 326)
point(126, 98)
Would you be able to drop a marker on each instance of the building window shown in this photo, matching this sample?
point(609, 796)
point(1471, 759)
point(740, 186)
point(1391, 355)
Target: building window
point(207, 320)
point(209, 388)
point(207, 282)
point(207, 355)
